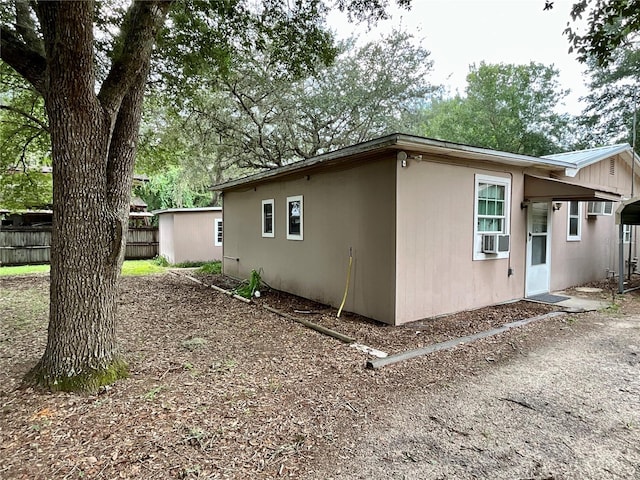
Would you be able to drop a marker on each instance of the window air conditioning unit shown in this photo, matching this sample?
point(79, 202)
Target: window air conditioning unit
point(599, 208)
point(495, 243)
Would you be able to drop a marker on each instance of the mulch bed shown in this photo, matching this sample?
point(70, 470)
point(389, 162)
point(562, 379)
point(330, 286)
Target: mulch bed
point(222, 389)
point(390, 339)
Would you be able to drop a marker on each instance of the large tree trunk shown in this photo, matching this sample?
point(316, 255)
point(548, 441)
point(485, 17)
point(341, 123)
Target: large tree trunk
point(87, 236)
point(93, 147)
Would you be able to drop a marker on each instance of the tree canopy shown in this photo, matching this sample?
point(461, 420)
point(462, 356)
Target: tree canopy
point(506, 107)
point(256, 118)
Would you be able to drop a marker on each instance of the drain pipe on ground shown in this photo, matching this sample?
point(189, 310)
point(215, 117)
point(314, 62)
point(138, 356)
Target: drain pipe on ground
point(418, 352)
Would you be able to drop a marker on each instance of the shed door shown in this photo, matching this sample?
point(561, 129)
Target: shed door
point(538, 249)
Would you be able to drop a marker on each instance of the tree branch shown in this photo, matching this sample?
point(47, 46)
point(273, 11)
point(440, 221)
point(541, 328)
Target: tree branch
point(26, 27)
point(27, 62)
point(139, 31)
point(35, 120)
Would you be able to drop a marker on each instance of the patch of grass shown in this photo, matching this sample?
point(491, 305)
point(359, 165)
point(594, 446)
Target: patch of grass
point(140, 267)
point(612, 308)
point(129, 268)
point(211, 268)
point(153, 393)
point(24, 270)
point(188, 264)
point(223, 366)
point(194, 343)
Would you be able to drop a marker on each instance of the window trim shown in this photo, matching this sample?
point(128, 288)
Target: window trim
point(626, 233)
point(218, 232)
point(506, 229)
point(272, 233)
point(294, 236)
point(578, 237)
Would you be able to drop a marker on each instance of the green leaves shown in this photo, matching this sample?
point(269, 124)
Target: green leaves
point(507, 107)
point(24, 145)
point(614, 95)
point(611, 24)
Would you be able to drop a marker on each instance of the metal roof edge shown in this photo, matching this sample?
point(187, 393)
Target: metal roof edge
point(606, 151)
point(194, 209)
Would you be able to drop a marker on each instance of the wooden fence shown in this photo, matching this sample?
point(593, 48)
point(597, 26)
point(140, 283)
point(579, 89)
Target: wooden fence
point(32, 245)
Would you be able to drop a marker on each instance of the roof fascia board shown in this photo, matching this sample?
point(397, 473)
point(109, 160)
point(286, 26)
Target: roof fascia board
point(399, 141)
point(188, 210)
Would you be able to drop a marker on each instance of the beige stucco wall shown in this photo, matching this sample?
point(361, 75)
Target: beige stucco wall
point(165, 237)
point(596, 254)
point(591, 258)
point(188, 236)
point(353, 207)
point(436, 273)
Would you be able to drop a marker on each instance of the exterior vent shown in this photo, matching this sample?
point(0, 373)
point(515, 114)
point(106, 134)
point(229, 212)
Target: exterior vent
point(495, 243)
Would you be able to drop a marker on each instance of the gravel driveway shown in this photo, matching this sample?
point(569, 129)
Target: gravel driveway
point(567, 410)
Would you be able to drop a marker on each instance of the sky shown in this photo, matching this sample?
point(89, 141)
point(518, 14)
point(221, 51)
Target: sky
point(463, 32)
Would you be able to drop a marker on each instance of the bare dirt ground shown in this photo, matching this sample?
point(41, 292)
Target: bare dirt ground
point(221, 389)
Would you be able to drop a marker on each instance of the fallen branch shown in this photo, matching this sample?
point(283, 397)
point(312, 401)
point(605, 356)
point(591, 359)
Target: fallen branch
point(314, 326)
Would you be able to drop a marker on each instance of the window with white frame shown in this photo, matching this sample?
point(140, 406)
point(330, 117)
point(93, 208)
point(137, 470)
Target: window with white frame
point(626, 233)
point(268, 225)
point(295, 218)
point(600, 208)
point(491, 213)
point(574, 222)
point(217, 228)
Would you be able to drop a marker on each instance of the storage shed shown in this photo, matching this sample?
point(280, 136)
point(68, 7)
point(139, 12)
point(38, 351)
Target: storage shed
point(190, 234)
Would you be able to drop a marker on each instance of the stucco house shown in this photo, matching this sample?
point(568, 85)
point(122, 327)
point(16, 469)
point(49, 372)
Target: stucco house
point(432, 227)
point(190, 234)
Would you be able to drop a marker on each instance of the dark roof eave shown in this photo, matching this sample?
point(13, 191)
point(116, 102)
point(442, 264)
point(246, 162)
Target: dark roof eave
point(398, 141)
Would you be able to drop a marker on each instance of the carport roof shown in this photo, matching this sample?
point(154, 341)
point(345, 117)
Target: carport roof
point(539, 189)
point(628, 213)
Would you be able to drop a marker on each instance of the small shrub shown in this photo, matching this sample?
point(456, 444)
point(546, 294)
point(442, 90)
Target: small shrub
point(249, 287)
point(211, 268)
point(161, 261)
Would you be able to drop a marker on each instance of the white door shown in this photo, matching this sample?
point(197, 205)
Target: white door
point(538, 249)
